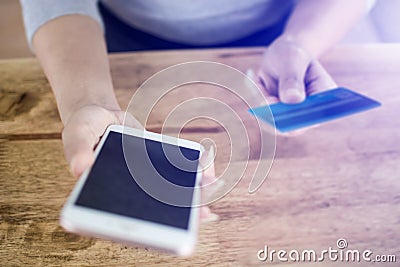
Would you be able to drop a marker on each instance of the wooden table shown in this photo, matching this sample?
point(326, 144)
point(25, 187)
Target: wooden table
point(340, 180)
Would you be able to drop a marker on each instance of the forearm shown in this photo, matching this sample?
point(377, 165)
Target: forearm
point(316, 25)
point(73, 55)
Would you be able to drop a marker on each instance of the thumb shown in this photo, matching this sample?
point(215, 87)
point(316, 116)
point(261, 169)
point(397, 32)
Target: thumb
point(291, 85)
point(78, 152)
point(127, 119)
point(80, 161)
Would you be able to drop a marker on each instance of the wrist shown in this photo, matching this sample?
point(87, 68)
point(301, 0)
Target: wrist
point(300, 40)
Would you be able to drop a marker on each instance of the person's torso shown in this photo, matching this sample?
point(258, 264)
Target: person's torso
point(200, 22)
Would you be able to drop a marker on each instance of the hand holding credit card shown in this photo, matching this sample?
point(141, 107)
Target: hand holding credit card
point(316, 109)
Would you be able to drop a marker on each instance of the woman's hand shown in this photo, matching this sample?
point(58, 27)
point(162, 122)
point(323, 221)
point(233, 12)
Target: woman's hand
point(288, 73)
point(290, 70)
point(83, 130)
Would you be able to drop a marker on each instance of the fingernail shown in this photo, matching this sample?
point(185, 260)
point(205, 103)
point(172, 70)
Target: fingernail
point(211, 155)
point(251, 75)
point(212, 217)
point(293, 95)
point(207, 160)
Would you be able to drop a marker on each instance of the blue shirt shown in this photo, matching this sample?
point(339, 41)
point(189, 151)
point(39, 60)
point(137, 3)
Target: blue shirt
point(196, 22)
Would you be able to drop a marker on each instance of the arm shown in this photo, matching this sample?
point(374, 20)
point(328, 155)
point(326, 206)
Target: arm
point(73, 55)
point(290, 69)
point(318, 25)
point(79, 74)
point(76, 63)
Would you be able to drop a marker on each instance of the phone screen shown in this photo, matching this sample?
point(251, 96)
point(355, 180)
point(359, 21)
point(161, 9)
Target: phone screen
point(110, 186)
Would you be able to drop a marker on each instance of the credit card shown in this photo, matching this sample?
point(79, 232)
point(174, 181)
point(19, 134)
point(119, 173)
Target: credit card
point(316, 109)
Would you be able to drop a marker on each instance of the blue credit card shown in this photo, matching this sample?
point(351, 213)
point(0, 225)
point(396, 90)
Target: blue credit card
point(318, 108)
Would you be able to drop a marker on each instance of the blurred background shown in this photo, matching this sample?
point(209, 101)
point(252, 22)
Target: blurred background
point(381, 25)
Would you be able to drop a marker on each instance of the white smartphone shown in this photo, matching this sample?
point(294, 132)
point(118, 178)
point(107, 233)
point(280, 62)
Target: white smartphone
point(109, 202)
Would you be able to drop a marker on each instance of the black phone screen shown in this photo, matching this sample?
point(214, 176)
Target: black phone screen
point(110, 186)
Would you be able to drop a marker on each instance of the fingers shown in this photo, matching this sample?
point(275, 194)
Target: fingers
point(267, 83)
point(83, 132)
point(283, 70)
point(78, 147)
point(288, 85)
point(206, 215)
point(291, 88)
point(296, 82)
point(209, 182)
point(81, 161)
point(318, 79)
point(207, 165)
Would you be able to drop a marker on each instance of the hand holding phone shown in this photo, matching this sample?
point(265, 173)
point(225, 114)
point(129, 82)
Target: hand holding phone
point(109, 202)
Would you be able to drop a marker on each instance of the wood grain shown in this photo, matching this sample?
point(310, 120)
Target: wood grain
point(340, 180)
